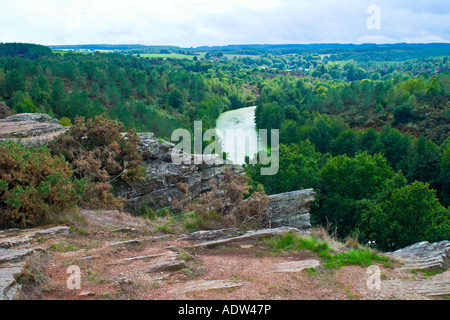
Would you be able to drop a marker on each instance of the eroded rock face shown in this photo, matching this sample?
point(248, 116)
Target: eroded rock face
point(292, 209)
point(30, 128)
point(166, 184)
point(424, 255)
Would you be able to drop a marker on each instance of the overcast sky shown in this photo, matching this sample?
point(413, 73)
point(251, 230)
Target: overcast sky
point(194, 23)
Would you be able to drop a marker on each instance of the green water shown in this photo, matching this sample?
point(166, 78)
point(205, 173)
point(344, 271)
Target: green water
point(238, 134)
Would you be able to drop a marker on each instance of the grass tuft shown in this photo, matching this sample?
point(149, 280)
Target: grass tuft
point(292, 242)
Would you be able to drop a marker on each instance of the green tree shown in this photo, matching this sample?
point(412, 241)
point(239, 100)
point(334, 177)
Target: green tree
point(445, 177)
point(424, 162)
point(345, 182)
point(14, 81)
point(59, 98)
point(402, 114)
point(407, 215)
point(176, 98)
point(22, 102)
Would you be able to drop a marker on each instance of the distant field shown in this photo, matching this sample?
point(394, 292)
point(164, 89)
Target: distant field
point(237, 56)
point(63, 52)
point(166, 55)
point(187, 56)
point(60, 52)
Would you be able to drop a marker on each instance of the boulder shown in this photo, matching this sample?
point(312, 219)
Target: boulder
point(291, 209)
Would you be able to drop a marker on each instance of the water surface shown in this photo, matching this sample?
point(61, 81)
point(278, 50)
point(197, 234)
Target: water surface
point(238, 134)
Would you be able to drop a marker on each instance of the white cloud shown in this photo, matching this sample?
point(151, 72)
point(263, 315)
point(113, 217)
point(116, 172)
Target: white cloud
point(221, 22)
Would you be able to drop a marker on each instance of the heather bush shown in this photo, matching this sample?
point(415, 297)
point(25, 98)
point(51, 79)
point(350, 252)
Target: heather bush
point(99, 152)
point(228, 205)
point(34, 183)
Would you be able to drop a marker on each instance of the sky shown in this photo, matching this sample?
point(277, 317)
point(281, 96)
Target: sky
point(192, 23)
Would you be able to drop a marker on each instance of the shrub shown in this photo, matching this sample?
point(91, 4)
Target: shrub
point(228, 205)
point(65, 122)
point(34, 183)
point(99, 152)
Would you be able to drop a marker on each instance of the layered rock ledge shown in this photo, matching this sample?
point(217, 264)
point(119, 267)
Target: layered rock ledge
point(166, 183)
point(30, 128)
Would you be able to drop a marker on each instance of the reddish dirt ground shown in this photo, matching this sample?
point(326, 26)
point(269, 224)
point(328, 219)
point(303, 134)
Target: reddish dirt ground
point(247, 266)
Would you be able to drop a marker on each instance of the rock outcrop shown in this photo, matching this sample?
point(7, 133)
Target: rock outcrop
point(16, 246)
point(292, 209)
point(423, 255)
point(251, 235)
point(167, 184)
point(30, 128)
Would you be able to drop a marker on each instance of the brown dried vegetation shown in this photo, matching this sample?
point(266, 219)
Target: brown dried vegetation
point(33, 183)
point(227, 202)
point(100, 153)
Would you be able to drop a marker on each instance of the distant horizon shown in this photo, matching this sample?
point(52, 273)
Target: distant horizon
point(246, 44)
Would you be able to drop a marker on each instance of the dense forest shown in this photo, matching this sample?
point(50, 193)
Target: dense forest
point(366, 127)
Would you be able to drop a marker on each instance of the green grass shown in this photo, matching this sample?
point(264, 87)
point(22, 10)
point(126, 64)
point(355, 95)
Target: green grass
point(64, 247)
point(429, 273)
point(94, 277)
point(291, 242)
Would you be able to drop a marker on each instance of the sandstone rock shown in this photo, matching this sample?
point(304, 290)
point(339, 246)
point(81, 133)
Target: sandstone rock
point(52, 232)
point(294, 266)
point(423, 255)
point(291, 209)
point(150, 256)
point(30, 128)
point(8, 285)
point(16, 246)
point(212, 234)
point(134, 242)
point(170, 265)
point(248, 236)
point(38, 117)
point(204, 285)
point(160, 187)
point(427, 287)
point(14, 255)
